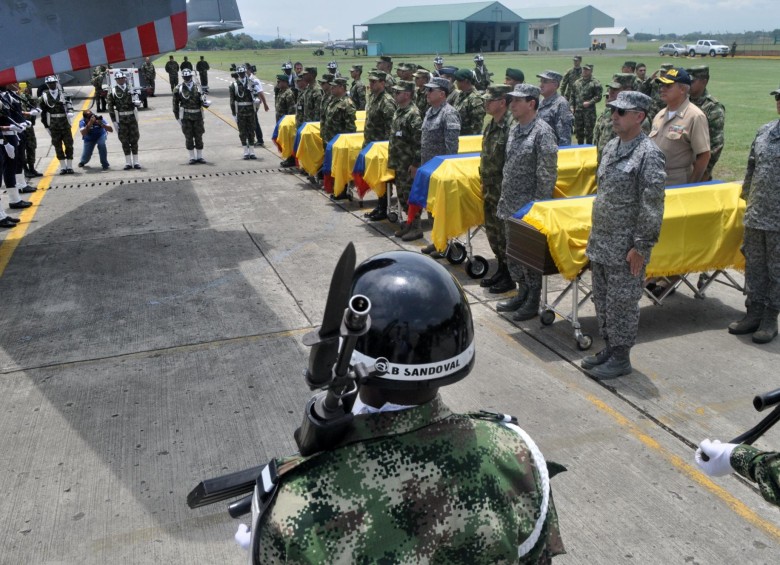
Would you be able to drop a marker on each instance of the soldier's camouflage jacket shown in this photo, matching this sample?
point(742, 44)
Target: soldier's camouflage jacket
point(284, 103)
point(761, 467)
point(172, 67)
point(186, 101)
point(760, 188)
point(405, 139)
point(629, 205)
point(603, 132)
point(357, 93)
point(421, 485)
point(421, 100)
point(241, 97)
point(312, 98)
point(716, 118)
point(494, 140)
point(54, 110)
point(481, 78)
point(567, 83)
point(556, 112)
point(120, 101)
point(339, 118)
point(471, 109)
point(440, 132)
point(148, 72)
point(380, 109)
point(587, 91)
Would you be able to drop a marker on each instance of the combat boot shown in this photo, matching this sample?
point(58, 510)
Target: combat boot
point(415, 232)
point(487, 282)
point(750, 322)
point(768, 328)
point(515, 302)
point(598, 359)
point(403, 230)
point(617, 365)
point(504, 284)
point(530, 308)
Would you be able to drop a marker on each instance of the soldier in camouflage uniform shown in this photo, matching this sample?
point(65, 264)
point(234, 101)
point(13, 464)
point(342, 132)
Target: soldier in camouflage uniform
point(284, 102)
point(555, 109)
point(98, 77)
point(469, 104)
point(491, 175)
point(626, 221)
point(481, 74)
point(378, 126)
point(448, 72)
point(385, 64)
point(57, 114)
point(569, 78)
point(242, 107)
point(603, 132)
point(123, 108)
point(530, 171)
point(203, 68)
point(312, 96)
point(421, 78)
point(172, 68)
point(761, 467)
point(630, 67)
point(357, 92)
point(31, 111)
point(188, 104)
point(714, 110)
point(325, 82)
point(587, 93)
point(513, 77)
point(339, 116)
point(148, 73)
point(411, 481)
point(652, 88)
point(404, 149)
point(761, 246)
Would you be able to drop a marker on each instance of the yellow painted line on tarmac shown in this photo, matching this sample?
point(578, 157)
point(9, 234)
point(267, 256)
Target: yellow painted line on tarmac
point(16, 234)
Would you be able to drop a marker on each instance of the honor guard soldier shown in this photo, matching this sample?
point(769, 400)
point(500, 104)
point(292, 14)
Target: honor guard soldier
point(188, 104)
point(148, 73)
point(172, 68)
point(587, 93)
point(11, 125)
point(284, 102)
point(481, 73)
point(339, 116)
point(57, 115)
point(123, 107)
point(713, 109)
point(469, 104)
point(203, 67)
point(378, 126)
point(31, 111)
point(403, 153)
point(438, 63)
point(333, 69)
point(242, 107)
point(325, 82)
point(312, 96)
point(15, 106)
point(555, 109)
point(357, 92)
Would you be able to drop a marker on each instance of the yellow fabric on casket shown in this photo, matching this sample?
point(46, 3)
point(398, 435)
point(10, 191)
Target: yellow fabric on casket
point(345, 152)
point(702, 230)
point(310, 152)
point(285, 138)
point(576, 172)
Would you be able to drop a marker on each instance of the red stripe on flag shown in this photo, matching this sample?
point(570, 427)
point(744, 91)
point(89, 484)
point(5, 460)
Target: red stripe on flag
point(7, 76)
point(148, 37)
point(179, 26)
point(115, 50)
point(79, 57)
point(43, 67)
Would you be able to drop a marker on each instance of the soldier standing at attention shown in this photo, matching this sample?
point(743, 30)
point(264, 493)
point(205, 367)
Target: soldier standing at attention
point(469, 104)
point(123, 108)
point(185, 65)
point(626, 221)
point(421, 78)
point(630, 67)
point(188, 104)
point(312, 96)
point(761, 245)
point(603, 132)
point(652, 88)
point(569, 78)
point(530, 171)
point(325, 83)
point(491, 175)
point(481, 73)
point(357, 92)
point(285, 99)
point(587, 93)
point(242, 107)
point(203, 67)
point(98, 76)
point(31, 111)
point(554, 109)
point(378, 126)
point(714, 110)
point(513, 77)
point(339, 115)
point(438, 63)
point(148, 73)
point(172, 68)
point(57, 114)
point(385, 64)
point(404, 150)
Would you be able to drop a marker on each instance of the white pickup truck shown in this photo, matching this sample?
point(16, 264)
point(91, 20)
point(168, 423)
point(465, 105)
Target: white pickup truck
point(710, 47)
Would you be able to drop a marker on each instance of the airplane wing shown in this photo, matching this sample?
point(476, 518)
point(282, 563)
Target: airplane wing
point(56, 36)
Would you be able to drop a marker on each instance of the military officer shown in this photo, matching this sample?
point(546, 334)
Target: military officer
point(713, 109)
point(242, 107)
point(148, 73)
point(626, 222)
point(481, 73)
point(587, 93)
point(11, 126)
point(513, 77)
point(284, 102)
point(404, 149)
point(123, 107)
point(469, 104)
point(185, 64)
point(421, 78)
point(555, 109)
point(385, 64)
point(357, 91)
point(188, 104)
point(172, 68)
point(569, 78)
point(378, 126)
point(203, 67)
point(57, 115)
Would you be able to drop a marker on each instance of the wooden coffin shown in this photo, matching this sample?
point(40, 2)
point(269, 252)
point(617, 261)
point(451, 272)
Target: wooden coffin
point(528, 246)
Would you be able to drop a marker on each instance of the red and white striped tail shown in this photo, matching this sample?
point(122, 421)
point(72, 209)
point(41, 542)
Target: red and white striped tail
point(151, 38)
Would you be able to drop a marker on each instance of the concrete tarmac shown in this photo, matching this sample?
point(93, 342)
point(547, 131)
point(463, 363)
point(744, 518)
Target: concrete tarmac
point(151, 337)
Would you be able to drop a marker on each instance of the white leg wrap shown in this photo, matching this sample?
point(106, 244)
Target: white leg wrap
point(21, 182)
point(13, 195)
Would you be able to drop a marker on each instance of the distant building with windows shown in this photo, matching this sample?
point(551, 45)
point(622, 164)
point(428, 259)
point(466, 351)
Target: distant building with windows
point(610, 38)
point(557, 28)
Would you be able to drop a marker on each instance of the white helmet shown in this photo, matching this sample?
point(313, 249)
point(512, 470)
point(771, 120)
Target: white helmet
point(51, 78)
point(186, 73)
point(119, 74)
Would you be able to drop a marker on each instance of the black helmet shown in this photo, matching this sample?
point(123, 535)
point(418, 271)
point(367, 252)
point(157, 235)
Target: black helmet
point(421, 333)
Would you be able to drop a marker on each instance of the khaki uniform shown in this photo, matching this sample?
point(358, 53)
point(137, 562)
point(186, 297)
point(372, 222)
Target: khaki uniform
point(681, 138)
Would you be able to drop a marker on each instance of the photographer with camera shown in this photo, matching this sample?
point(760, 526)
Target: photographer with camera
point(93, 130)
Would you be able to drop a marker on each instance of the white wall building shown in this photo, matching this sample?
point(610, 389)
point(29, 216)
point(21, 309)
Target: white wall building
point(610, 37)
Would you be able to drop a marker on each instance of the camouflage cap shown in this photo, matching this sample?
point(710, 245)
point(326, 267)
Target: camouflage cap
point(464, 74)
point(515, 74)
point(282, 78)
point(327, 78)
point(449, 70)
point(309, 71)
point(496, 92)
point(678, 75)
point(384, 59)
point(614, 85)
point(551, 75)
point(440, 83)
point(377, 75)
point(588, 66)
point(525, 90)
point(339, 81)
point(631, 100)
point(702, 71)
point(630, 64)
point(577, 58)
point(404, 86)
point(624, 80)
point(401, 67)
point(422, 73)
point(356, 68)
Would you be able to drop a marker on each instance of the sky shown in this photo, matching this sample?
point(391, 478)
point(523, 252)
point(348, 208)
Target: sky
point(322, 20)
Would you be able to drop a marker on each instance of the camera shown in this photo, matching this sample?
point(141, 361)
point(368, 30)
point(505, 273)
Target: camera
point(98, 118)
point(233, 67)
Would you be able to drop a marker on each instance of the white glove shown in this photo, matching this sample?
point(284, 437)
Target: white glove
point(243, 536)
point(35, 112)
point(235, 118)
point(16, 128)
point(70, 115)
point(206, 103)
point(10, 150)
point(720, 457)
point(137, 103)
point(256, 102)
point(27, 124)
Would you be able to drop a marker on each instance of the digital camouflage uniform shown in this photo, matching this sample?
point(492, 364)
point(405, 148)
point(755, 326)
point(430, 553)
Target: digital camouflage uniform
point(203, 67)
point(471, 109)
point(761, 467)
point(716, 118)
point(404, 148)
point(567, 83)
point(530, 172)
point(243, 109)
point(603, 132)
point(172, 68)
point(440, 132)
point(357, 92)
point(556, 112)
point(491, 173)
point(761, 245)
point(31, 142)
point(284, 103)
point(339, 118)
point(187, 107)
point(148, 73)
point(421, 485)
point(627, 213)
point(379, 117)
point(55, 119)
point(586, 90)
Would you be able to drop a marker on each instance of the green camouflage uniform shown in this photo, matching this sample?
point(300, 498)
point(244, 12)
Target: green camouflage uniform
point(172, 68)
point(404, 149)
point(55, 118)
point(187, 107)
point(312, 99)
point(585, 118)
point(481, 77)
point(284, 103)
point(491, 173)
point(31, 142)
point(716, 118)
point(357, 93)
point(421, 100)
point(243, 109)
point(123, 113)
point(759, 466)
point(149, 74)
point(567, 83)
point(339, 117)
point(421, 485)
point(379, 117)
point(471, 109)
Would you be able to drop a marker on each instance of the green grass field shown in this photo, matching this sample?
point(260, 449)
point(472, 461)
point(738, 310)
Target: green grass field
point(742, 84)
